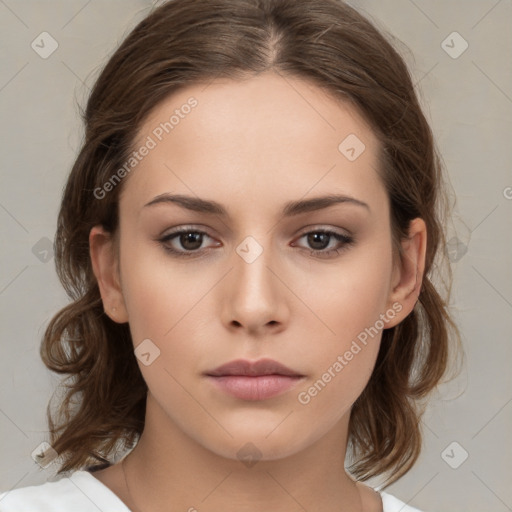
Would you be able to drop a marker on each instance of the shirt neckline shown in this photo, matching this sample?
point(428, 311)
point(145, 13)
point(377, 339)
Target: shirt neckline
point(90, 482)
point(87, 478)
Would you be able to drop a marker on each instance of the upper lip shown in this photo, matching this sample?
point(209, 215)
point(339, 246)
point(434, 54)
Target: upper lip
point(253, 368)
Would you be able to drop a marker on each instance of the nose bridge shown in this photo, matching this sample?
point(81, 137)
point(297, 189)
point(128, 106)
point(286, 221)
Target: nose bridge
point(252, 275)
point(253, 296)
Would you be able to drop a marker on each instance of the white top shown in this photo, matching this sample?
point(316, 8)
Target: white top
point(83, 492)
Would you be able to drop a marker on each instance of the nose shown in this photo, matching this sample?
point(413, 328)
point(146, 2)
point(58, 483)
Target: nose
point(253, 295)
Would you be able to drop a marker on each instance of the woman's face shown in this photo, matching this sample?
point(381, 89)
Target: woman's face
point(259, 280)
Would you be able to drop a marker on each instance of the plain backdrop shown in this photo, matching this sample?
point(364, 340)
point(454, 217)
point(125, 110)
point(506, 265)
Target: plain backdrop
point(466, 93)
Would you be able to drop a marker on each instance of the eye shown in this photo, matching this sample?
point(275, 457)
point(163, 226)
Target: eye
point(320, 240)
point(188, 240)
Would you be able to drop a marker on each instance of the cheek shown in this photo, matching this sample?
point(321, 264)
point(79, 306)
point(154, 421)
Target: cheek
point(157, 293)
point(340, 372)
point(350, 304)
point(328, 398)
point(165, 303)
point(350, 297)
point(162, 304)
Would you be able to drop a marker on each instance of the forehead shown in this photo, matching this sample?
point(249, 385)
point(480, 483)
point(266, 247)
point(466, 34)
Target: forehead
point(268, 136)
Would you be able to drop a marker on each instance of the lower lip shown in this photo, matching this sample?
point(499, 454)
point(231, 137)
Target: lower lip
point(255, 388)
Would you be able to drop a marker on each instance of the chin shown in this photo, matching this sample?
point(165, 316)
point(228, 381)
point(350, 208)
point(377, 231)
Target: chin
point(256, 444)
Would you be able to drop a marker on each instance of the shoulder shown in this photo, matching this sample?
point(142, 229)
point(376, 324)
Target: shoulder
point(392, 504)
point(80, 492)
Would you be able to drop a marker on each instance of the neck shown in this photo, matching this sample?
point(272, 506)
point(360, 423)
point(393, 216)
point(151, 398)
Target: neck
point(168, 467)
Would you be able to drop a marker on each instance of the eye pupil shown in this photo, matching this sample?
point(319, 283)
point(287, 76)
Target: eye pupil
point(315, 238)
point(192, 237)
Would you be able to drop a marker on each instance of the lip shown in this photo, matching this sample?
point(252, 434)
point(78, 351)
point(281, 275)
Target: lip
point(253, 369)
point(262, 387)
point(254, 380)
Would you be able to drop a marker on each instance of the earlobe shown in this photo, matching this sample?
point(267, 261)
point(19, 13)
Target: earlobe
point(103, 256)
point(408, 276)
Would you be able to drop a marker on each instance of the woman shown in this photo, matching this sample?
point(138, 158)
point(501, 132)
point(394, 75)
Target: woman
point(248, 237)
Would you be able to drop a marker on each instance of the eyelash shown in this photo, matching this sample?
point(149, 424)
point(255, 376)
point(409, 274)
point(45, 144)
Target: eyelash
point(318, 253)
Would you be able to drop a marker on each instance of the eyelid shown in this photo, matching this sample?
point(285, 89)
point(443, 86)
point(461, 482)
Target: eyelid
point(324, 227)
point(184, 229)
point(187, 228)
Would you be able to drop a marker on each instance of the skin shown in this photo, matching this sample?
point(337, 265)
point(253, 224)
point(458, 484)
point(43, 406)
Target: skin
point(252, 146)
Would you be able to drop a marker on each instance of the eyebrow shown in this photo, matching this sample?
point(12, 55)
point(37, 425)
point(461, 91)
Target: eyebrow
point(290, 209)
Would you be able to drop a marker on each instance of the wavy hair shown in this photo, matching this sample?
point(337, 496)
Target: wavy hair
point(185, 42)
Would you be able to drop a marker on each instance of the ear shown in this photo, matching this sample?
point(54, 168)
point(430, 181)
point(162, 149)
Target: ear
point(103, 253)
point(408, 272)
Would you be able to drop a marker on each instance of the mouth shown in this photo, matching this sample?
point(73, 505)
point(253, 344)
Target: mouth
point(258, 380)
point(262, 367)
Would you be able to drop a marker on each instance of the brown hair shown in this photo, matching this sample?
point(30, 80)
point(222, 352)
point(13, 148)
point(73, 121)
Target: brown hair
point(185, 42)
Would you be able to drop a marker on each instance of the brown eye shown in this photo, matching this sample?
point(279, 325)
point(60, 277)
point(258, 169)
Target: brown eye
point(191, 241)
point(184, 242)
point(318, 241)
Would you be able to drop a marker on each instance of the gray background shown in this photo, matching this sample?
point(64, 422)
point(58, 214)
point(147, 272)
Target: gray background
point(468, 100)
